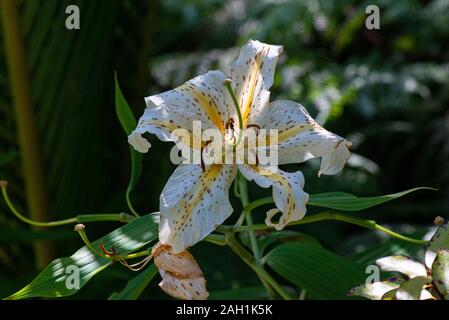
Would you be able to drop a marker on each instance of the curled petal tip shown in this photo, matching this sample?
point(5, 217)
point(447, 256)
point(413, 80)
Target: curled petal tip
point(138, 142)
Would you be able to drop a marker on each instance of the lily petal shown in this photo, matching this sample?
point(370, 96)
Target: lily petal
point(193, 203)
point(402, 264)
point(288, 194)
point(181, 275)
point(252, 74)
point(301, 138)
point(204, 99)
point(376, 290)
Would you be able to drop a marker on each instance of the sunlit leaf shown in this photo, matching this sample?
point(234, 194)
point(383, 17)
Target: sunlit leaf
point(321, 272)
point(440, 272)
point(136, 285)
point(440, 240)
point(60, 279)
point(412, 289)
point(348, 202)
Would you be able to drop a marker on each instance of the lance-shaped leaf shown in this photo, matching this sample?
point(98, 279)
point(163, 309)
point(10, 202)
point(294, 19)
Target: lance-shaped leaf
point(321, 272)
point(402, 264)
point(376, 290)
point(136, 285)
point(128, 123)
point(348, 202)
point(440, 240)
point(66, 276)
point(440, 272)
point(412, 289)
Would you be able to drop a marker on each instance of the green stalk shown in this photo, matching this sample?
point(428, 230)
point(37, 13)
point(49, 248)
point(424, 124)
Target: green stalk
point(327, 215)
point(83, 218)
point(255, 266)
point(26, 129)
point(243, 188)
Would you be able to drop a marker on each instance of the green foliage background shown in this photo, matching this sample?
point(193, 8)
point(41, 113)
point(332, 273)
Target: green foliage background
point(385, 90)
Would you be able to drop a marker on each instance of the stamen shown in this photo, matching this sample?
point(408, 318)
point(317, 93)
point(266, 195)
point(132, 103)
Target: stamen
point(230, 124)
point(203, 166)
point(107, 252)
point(137, 266)
point(257, 139)
point(80, 229)
point(227, 84)
point(253, 126)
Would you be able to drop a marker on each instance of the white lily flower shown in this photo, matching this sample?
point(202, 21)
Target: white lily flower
point(196, 198)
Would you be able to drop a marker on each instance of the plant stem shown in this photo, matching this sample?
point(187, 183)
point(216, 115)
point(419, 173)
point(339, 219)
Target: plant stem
point(26, 126)
point(216, 239)
point(83, 218)
point(327, 215)
point(130, 206)
point(253, 205)
point(400, 236)
point(255, 266)
point(243, 188)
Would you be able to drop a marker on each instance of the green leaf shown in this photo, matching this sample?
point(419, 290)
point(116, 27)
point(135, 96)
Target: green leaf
point(412, 289)
point(52, 281)
point(440, 240)
point(136, 285)
point(129, 123)
point(124, 113)
point(389, 248)
point(349, 202)
point(284, 236)
point(440, 272)
point(322, 273)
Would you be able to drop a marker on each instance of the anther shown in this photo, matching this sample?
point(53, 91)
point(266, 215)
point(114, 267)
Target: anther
point(438, 221)
point(107, 252)
point(203, 166)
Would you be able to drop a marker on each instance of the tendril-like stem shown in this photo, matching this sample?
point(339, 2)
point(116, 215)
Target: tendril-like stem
point(83, 218)
point(326, 215)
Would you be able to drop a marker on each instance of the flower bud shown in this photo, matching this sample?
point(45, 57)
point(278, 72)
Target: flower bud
point(181, 275)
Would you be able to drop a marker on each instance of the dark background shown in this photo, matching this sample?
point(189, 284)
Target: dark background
point(385, 90)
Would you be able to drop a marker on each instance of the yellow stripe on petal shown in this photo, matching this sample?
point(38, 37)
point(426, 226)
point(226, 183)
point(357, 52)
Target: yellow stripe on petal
point(292, 131)
point(206, 103)
point(253, 80)
point(190, 202)
point(193, 203)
